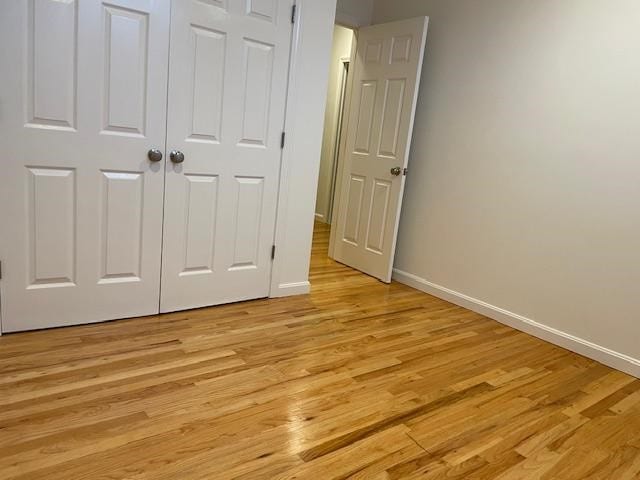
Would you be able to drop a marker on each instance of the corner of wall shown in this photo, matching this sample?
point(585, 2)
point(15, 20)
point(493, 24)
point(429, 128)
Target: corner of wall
point(312, 41)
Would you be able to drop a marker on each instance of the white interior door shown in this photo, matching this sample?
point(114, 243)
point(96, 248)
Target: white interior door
point(82, 100)
point(386, 76)
point(227, 91)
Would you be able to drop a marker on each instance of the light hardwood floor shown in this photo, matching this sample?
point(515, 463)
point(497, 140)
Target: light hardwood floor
point(359, 380)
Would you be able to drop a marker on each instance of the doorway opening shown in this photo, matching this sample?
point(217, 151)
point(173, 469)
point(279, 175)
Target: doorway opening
point(343, 40)
point(366, 141)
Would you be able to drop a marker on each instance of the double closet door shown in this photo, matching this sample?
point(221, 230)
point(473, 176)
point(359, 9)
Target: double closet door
point(141, 155)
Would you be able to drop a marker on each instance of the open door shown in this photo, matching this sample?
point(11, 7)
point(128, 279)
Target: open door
point(386, 76)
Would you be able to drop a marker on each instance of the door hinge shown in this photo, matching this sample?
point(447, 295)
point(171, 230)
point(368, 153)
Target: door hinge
point(293, 13)
point(282, 140)
point(273, 252)
point(404, 171)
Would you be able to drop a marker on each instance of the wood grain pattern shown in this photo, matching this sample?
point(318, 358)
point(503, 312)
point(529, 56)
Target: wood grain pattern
point(358, 380)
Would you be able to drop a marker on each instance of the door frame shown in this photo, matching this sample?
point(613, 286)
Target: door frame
point(286, 155)
point(311, 40)
point(342, 99)
point(343, 142)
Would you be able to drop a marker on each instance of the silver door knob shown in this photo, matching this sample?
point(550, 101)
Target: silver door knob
point(176, 156)
point(154, 155)
point(395, 171)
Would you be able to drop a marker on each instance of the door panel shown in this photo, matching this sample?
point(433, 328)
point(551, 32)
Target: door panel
point(202, 206)
point(80, 203)
point(51, 206)
point(385, 87)
point(364, 123)
point(49, 73)
point(208, 81)
point(378, 214)
point(391, 118)
point(354, 209)
point(125, 70)
point(121, 228)
point(227, 90)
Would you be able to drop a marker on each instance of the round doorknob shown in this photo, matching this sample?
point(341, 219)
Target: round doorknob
point(176, 156)
point(395, 171)
point(154, 155)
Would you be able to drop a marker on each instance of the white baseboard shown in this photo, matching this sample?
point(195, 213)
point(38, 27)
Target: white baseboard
point(320, 217)
point(290, 289)
point(578, 345)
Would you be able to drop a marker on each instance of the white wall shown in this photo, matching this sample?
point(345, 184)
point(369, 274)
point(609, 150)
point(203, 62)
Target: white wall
point(354, 13)
point(313, 34)
point(342, 40)
point(523, 195)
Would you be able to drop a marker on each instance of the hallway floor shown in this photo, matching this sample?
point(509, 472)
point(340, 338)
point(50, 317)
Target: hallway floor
point(358, 380)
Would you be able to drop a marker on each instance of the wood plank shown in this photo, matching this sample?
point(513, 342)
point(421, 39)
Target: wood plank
point(358, 380)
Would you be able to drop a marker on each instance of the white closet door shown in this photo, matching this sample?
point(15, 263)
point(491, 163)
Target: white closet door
point(82, 100)
point(385, 90)
point(228, 74)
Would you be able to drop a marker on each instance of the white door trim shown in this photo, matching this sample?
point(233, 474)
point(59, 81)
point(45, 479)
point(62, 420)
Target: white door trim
point(343, 145)
point(303, 46)
point(286, 159)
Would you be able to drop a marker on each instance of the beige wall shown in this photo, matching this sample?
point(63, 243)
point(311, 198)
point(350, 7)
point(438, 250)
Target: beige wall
point(342, 40)
point(523, 195)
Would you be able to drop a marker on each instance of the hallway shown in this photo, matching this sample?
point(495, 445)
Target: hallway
point(358, 380)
